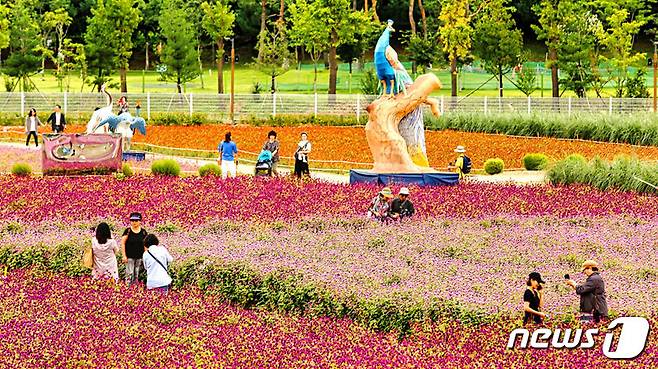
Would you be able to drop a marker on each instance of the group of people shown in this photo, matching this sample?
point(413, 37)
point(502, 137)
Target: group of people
point(593, 303)
point(56, 119)
point(228, 155)
point(385, 207)
point(137, 248)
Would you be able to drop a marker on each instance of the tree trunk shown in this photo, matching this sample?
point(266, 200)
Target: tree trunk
point(354, 5)
point(261, 35)
point(146, 66)
point(282, 9)
point(273, 87)
point(220, 65)
point(374, 10)
point(333, 63)
point(500, 80)
point(453, 76)
point(412, 23)
point(365, 5)
point(555, 84)
point(178, 84)
point(423, 17)
point(122, 76)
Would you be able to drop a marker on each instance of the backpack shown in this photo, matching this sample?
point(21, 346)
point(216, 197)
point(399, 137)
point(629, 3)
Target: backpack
point(466, 166)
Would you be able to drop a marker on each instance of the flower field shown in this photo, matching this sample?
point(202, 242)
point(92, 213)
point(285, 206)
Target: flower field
point(349, 144)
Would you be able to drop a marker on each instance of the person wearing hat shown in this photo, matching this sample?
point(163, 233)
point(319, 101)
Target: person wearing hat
point(132, 247)
point(593, 304)
point(533, 299)
point(380, 205)
point(401, 207)
point(462, 164)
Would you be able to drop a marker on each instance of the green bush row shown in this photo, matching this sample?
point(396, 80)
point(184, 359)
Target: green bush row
point(637, 129)
point(282, 290)
point(535, 161)
point(623, 173)
point(165, 167)
point(494, 166)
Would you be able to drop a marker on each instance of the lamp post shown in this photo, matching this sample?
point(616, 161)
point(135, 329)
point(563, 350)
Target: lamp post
point(232, 78)
point(655, 68)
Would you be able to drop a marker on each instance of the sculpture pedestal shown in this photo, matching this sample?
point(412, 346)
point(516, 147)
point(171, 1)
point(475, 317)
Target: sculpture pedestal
point(134, 155)
point(420, 179)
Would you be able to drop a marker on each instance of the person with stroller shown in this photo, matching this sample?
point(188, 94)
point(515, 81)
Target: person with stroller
point(264, 164)
point(272, 145)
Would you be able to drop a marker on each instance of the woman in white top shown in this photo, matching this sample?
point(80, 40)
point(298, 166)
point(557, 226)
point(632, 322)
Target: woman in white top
point(104, 249)
point(156, 262)
point(32, 124)
point(301, 156)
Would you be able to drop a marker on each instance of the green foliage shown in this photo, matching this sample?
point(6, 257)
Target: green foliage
point(178, 119)
point(494, 166)
point(276, 57)
point(126, 170)
point(210, 169)
point(100, 45)
point(21, 169)
point(370, 83)
point(636, 86)
point(165, 167)
point(301, 120)
point(423, 50)
point(623, 173)
point(535, 161)
point(636, 129)
point(526, 81)
point(179, 52)
point(167, 227)
point(26, 52)
point(4, 26)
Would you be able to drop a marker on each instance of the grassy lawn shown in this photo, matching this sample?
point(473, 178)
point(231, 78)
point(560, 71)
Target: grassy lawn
point(294, 81)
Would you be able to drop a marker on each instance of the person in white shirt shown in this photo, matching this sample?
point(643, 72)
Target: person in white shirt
point(32, 124)
point(57, 120)
point(156, 262)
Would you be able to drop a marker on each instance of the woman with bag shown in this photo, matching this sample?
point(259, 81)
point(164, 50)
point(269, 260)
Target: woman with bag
point(104, 251)
point(156, 261)
point(301, 156)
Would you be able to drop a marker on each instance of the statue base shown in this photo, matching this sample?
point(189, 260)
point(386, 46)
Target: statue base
point(420, 179)
point(134, 155)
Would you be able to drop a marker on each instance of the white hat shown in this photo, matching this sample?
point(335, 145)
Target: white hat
point(404, 191)
point(460, 149)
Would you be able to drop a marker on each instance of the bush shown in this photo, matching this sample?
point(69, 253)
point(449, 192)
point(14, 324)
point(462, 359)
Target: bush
point(165, 167)
point(494, 166)
point(210, 169)
point(535, 161)
point(21, 169)
point(178, 119)
point(623, 173)
point(127, 170)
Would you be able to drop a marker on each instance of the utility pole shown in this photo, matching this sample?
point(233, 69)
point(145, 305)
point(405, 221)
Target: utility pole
point(655, 69)
point(232, 79)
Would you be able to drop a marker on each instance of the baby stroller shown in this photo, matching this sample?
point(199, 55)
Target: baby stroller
point(264, 164)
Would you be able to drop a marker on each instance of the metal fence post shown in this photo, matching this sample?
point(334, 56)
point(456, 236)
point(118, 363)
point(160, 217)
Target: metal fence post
point(22, 103)
point(191, 104)
point(315, 104)
point(610, 106)
point(358, 109)
point(486, 110)
point(529, 105)
point(274, 104)
point(66, 102)
point(148, 105)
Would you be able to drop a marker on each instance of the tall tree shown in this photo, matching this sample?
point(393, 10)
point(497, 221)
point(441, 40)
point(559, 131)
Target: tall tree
point(100, 45)
point(496, 41)
point(455, 33)
point(551, 15)
point(218, 21)
point(263, 29)
point(5, 30)
point(58, 21)
point(24, 41)
point(277, 57)
point(125, 15)
point(309, 31)
point(180, 42)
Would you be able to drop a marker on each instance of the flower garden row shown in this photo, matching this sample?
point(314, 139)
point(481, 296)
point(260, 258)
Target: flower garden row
point(51, 321)
point(349, 144)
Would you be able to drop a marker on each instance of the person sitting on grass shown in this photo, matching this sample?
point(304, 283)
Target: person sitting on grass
point(401, 206)
point(380, 205)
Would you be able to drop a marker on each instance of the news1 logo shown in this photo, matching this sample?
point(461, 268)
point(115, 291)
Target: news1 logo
point(631, 342)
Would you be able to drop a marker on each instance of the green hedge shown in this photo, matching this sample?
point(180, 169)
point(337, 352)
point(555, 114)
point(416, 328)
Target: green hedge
point(494, 166)
point(637, 129)
point(623, 173)
point(535, 161)
point(210, 169)
point(281, 290)
point(165, 167)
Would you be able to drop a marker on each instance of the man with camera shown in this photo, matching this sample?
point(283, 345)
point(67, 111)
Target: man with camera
point(593, 305)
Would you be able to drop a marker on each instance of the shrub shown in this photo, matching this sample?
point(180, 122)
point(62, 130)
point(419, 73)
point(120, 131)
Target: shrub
point(178, 119)
point(494, 166)
point(535, 161)
point(127, 170)
point(165, 167)
point(210, 169)
point(21, 169)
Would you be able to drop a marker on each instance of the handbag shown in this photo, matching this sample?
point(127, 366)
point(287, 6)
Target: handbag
point(88, 257)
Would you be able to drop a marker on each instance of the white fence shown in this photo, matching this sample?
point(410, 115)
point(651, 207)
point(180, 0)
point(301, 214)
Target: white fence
point(264, 105)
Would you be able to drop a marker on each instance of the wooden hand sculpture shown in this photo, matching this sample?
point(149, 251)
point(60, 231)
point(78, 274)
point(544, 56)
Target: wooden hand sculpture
point(388, 148)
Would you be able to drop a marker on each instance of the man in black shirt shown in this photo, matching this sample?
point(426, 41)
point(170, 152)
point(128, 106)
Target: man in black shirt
point(132, 247)
point(402, 207)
